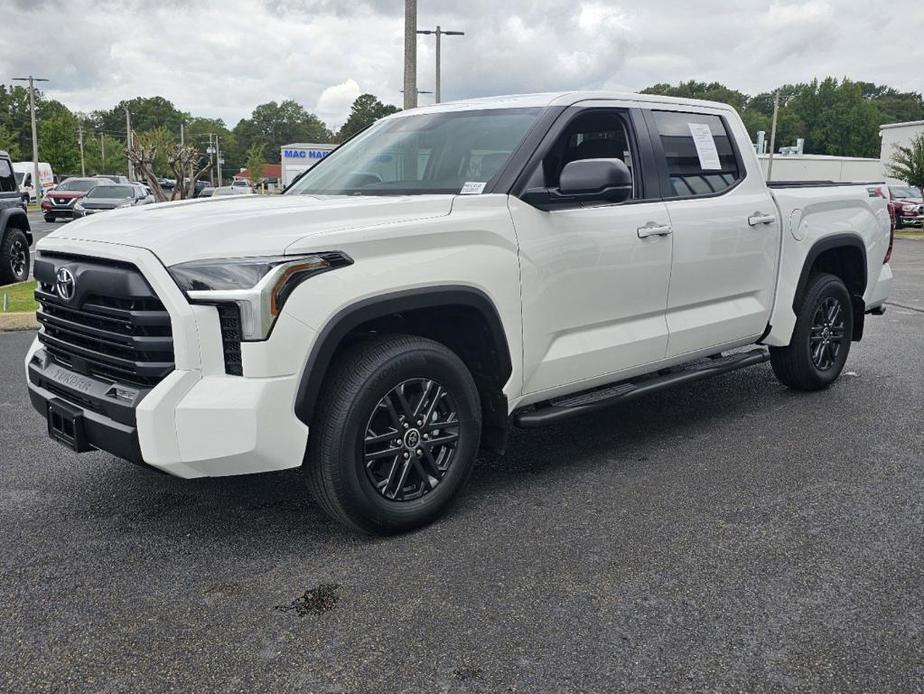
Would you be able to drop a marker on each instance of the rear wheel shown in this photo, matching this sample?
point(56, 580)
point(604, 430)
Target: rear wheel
point(821, 339)
point(14, 257)
point(396, 433)
point(49, 218)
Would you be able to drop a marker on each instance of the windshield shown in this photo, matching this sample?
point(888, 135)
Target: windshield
point(117, 192)
point(78, 186)
point(420, 154)
point(905, 192)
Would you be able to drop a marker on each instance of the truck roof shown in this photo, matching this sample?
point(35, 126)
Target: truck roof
point(544, 99)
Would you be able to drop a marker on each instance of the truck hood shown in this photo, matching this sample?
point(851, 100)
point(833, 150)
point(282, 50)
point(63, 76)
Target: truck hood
point(246, 225)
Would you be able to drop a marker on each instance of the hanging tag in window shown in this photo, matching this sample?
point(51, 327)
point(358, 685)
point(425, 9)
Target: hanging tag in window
point(705, 147)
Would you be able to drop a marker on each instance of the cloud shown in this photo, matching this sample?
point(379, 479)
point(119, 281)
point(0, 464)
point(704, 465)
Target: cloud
point(223, 58)
point(335, 102)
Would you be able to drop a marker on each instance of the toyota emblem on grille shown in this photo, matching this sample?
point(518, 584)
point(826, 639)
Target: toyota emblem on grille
point(65, 284)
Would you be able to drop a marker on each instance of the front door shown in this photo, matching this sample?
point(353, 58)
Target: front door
point(594, 279)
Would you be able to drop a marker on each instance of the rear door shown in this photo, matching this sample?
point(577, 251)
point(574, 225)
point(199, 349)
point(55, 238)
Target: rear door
point(726, 235)
point(594, 277)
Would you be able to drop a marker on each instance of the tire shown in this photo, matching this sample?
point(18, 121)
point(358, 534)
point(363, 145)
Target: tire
point(14, 256)
point(821, 339)
point(360, 445)
point(50, 218)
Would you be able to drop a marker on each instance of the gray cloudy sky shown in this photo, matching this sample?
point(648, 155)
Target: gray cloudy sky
point(222, 58)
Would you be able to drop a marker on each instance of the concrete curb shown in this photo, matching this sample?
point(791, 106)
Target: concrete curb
point(18, 321)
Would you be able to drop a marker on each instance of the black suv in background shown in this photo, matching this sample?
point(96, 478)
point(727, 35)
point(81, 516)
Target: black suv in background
point(15, 233)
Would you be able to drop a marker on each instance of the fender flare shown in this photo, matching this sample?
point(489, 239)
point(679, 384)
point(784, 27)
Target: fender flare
point(355, 314)
point(11, 213)
point(826, 244)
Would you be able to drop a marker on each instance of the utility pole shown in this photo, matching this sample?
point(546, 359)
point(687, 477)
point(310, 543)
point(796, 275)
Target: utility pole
point(36, 182)
point(128, 142)
point(83, 168)
point(218, 158)
point(182, 137)
point(776, 108)
point(410, 54)
point(210, 151)
point(102, 151)
point(438, 32)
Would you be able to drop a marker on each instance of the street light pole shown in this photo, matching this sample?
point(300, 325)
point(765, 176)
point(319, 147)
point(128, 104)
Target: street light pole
point(83, 168)
point(36, 183)
point(438, 32)
point(776, 109)
point(410, 54)
point(128, 143)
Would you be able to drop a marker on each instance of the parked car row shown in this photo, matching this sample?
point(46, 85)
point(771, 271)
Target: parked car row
point(79, 197)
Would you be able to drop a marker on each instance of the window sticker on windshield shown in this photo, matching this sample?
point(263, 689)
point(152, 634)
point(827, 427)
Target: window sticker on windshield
point(705, 146)
point(473, 187)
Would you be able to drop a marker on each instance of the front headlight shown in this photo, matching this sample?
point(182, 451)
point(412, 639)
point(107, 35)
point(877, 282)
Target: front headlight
point(259, 286)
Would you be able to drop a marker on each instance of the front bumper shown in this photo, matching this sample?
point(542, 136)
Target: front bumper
point(198, 421)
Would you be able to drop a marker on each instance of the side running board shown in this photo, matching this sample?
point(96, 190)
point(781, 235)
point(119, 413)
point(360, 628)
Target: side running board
point(555, 411)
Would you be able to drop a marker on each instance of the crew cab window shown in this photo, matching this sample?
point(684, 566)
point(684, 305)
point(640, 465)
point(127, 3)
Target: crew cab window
point(693, 171)
point(7, 181)
point(596, 134)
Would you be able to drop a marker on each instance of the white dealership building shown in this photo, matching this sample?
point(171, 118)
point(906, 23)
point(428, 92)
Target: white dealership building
point(897, 134)
point(301, 156)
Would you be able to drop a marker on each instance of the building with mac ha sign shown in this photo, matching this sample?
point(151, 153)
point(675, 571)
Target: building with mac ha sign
point(300, 156)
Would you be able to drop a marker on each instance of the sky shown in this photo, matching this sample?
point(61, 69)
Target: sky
point(221, 58)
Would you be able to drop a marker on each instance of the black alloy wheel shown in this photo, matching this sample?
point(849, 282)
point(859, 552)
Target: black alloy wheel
point(828, 333)
point(411, 439)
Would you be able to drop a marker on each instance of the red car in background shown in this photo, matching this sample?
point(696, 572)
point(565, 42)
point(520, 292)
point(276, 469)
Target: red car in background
point(906, 205)
point(60, 201)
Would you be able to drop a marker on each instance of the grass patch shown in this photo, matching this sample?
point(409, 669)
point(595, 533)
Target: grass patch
point(19, 297)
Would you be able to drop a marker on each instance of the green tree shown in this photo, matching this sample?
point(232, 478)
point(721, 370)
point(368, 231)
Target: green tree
point(148, 113)
point(907, 163)
point(105, 154)
point(365, 111)
point(9, 142)
point(838, 119)
point(274, 125)
point(255, 163)
point(58, 143)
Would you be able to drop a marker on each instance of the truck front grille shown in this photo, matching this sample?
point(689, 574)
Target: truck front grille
point(114, 327)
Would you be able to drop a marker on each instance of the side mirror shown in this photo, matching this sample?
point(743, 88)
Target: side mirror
point(585, 180)
point(597, 179)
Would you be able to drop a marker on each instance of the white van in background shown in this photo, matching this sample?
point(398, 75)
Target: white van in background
point(23, 172)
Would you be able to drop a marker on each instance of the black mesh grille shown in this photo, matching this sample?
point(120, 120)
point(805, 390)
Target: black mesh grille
point(114, 327)
point(229, 315)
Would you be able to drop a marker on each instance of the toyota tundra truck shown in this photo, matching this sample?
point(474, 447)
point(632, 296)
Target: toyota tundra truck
point(448, 273)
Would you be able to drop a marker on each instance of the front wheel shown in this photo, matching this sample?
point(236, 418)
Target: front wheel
point(821, 339)
point(14, 257)
point(49, 218)
point(395, 436)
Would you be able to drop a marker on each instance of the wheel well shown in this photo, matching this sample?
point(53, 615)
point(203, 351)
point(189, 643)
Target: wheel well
point(843, 256)
point(18, 221)
point(846, 262)
point(465, 322)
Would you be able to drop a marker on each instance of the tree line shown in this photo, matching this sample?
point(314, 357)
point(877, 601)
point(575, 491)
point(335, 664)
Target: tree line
point(253, 140)
point(835, 116)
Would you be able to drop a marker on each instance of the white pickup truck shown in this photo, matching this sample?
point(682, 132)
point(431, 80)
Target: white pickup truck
point(448, 272)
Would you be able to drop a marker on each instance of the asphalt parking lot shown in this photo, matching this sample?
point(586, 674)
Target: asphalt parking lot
point(730, 535)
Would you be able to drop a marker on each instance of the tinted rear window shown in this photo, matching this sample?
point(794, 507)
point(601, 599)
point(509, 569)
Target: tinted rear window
point(690, 173)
